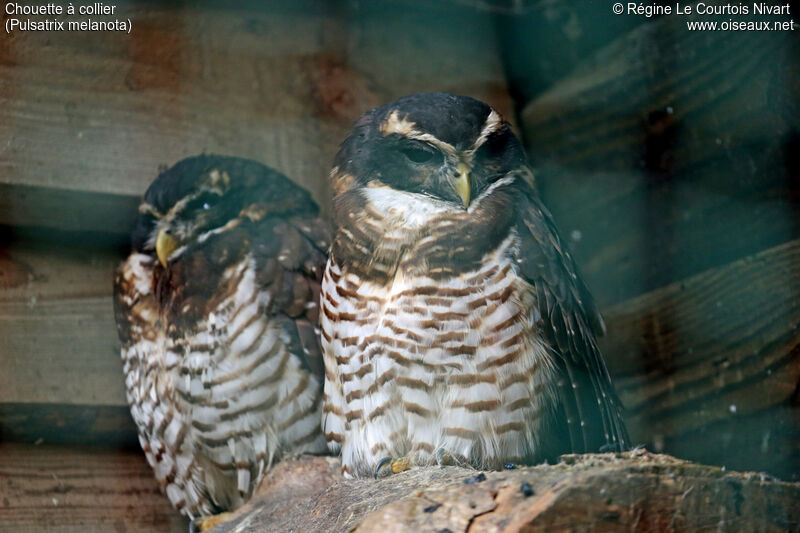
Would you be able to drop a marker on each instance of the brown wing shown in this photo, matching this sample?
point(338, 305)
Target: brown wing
point(589, 414)
point(290, 256)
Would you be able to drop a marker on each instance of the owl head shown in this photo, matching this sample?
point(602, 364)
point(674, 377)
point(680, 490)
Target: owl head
point(439, 147)
point(207, 195)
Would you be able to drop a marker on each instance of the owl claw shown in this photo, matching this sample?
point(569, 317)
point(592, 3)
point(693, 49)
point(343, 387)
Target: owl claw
point(397, 465)
point(444, 458)
point(205, 523)
point(401, 465)
point(380, 465)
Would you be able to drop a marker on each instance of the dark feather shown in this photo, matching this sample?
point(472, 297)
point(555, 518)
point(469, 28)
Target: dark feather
point(589, 413)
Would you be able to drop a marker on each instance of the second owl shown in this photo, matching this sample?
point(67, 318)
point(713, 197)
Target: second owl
point(215, 309)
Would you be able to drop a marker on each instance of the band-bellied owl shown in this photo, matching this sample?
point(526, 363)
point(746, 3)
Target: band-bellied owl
point(216, 308)
point(455, 326)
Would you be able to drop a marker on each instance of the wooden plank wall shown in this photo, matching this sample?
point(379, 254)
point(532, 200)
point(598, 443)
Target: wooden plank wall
point(80, 490)
point(669, 160)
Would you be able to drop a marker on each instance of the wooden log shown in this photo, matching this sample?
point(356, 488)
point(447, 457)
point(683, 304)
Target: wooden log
point(279, 83)
point(710, 367)
point(635, 491)
point(669, 152)
point(58, 488)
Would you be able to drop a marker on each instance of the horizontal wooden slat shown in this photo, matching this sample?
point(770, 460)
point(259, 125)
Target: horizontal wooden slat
point(57, 323)
point(62, 266)
point(100, 112)
point(107, 426)
point(669, 152)
point(660, 83)
point(543, 43)
point(66, 209)
point(60, 351)
point(709, 351)
point(57, 488)
point(763, 441)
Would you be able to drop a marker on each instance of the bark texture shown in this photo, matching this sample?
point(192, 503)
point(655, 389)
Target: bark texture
point(633, 491)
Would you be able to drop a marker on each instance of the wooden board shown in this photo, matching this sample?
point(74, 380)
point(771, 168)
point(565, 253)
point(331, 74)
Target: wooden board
point(100, 112)
point(701, 361)
point(57, 488)
point(662, 98)
point(57, 266)
point(106, 426)
point(52, 207)
point(669, 152)
point(543, 41)
point(57, 324)
point(60, 351)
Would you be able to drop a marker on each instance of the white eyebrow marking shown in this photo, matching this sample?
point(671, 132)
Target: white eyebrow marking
point(395, 124)
point(147, 208)
point(404, 127)
point(490, 125)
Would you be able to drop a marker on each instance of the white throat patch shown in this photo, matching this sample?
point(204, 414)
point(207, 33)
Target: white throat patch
point(404, 208)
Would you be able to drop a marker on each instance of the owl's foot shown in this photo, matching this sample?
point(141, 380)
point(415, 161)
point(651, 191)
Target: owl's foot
point(397, 465)
point(205, 523)
point(445, 458)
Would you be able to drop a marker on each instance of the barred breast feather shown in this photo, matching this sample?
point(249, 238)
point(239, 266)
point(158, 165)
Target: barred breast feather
point(425, 365)
point(436, 344)
point(220, 355)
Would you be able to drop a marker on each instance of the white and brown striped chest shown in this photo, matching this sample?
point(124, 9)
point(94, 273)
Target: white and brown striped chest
point(418, 366)
point(215, 403)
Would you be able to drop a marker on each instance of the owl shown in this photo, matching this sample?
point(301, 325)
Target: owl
point(216, 308)
point(455, 326)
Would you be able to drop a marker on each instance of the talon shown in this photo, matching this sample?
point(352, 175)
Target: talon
point(401, 465)
point(380, 465)
point(444, 458)
point(205, 523)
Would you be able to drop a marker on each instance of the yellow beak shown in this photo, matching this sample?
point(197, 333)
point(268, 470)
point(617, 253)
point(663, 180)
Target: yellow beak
point(165, 245)
point(462, 183)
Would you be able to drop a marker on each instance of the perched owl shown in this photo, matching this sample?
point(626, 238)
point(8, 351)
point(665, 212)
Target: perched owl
point(216, 308)
point(455, 326)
